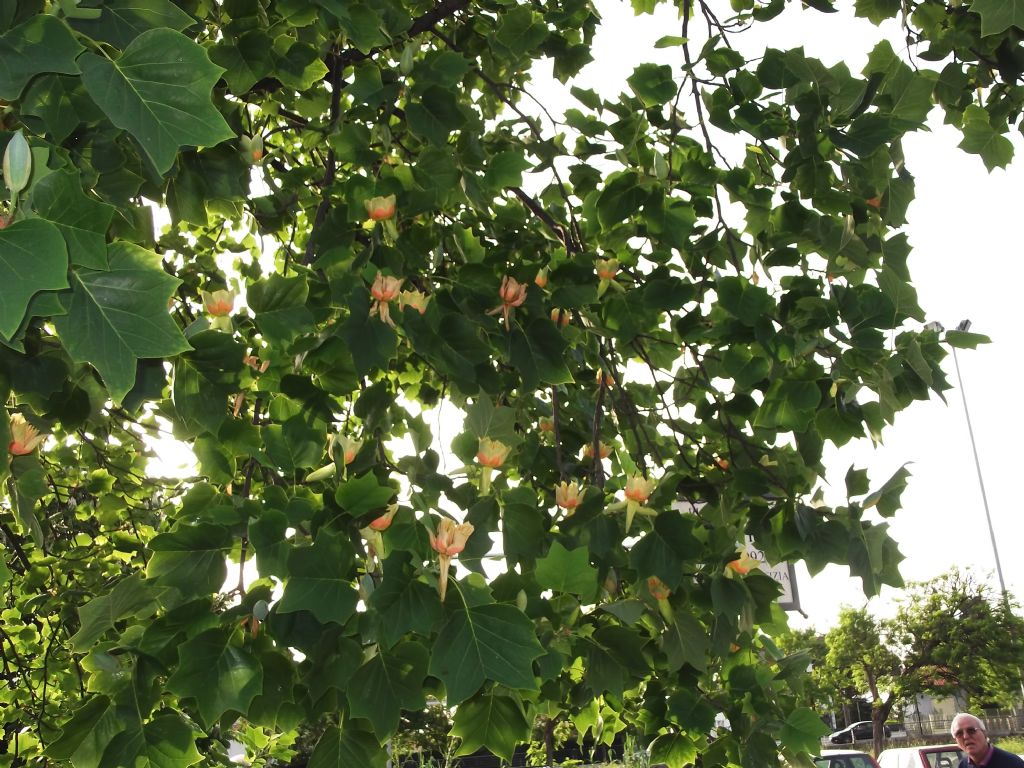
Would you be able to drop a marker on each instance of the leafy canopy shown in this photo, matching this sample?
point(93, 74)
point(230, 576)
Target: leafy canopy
point(337, 249)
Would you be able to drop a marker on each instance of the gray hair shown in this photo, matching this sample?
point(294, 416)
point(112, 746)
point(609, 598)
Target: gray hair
point(967, 716)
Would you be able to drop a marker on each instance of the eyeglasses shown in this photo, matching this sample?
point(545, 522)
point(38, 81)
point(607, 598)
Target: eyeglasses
point(965, 732)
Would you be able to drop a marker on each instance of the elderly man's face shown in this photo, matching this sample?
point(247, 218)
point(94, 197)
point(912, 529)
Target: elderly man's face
point(971, 738)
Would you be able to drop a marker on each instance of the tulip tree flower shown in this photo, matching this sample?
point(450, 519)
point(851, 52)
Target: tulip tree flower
point(545, 424)
point(513, 294)
point(385, 289)
point(373, 533)
point(541, 278)
point(25, 438)
point(418, 300)
point(252, 148)
point(603, 450)
point(449, 540)
point(638, 489)
point(660, 592)
point(606, 270)
point(219, 303)
point(490, 455)
point(349, 449)
point(741, 566)
point(567, 496)
point(380, 208)
point(560, 317)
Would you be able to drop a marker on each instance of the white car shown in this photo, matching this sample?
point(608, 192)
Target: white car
point(844, 758)
point(943, 756)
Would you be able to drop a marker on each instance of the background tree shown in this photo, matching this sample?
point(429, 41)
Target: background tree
point(646, 321)
point(950, 636)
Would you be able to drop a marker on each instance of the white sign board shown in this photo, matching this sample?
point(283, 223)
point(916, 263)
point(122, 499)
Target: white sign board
point(783, 573)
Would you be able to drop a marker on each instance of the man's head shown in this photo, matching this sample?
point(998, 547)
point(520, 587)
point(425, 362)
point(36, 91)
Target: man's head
point(970, 735)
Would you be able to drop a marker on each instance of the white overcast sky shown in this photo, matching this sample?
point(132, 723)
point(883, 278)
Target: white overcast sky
point(965, 227)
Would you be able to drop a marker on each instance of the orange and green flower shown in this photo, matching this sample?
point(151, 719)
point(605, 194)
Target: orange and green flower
point(25, 437)
point(449, 540)
point(384, 290)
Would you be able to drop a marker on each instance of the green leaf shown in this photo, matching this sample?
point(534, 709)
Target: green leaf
point(219, 674)
point(204, 380)
point(803, 730)
point(980, 138)
point(293, 445)
point(33, 258)
point(435, 116)
point(300, 67)
point(675, 750)
point(190, 558)
point(686, 641)
point(621, 198)
point(506, 168)
point(965, 339)
point(877, 11)
point(166, 741)
point(388, 683)
point(347, 748)
point(118, 316)
point(247, 59)
point(670, 41)
point(788, 405)
point(404, 604)
point(362, 23)
point(539, 353)
point(129, 597)
point(82, 220)
point(493, 721)
point(887, 498)
point(121, 21)
point(486, 642)
point(653, 84)
point(41, 44)
point(662, 552)
point(484, 419)
point(280, 305)
point(87, 734)
point(520, 30)
point(159, 91)
point(362, 494)
point(60, 102)
point(997, 16)
point(901, 293)
point(371, 340)
point(319, 580)
point(567, 571)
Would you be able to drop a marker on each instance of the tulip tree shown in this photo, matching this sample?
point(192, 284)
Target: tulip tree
point(482, 397)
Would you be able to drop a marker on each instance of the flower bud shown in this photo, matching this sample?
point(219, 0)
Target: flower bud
point(17, 164)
